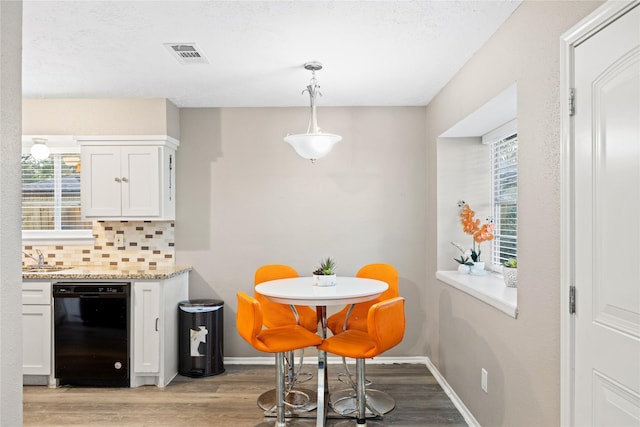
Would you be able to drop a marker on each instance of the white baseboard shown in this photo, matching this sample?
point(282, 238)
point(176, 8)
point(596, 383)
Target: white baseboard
point(457, 402)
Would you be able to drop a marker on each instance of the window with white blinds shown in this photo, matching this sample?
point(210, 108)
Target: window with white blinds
point(51, 194)
point(504, 172)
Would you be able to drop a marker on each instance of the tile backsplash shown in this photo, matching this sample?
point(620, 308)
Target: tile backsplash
point(118, 244)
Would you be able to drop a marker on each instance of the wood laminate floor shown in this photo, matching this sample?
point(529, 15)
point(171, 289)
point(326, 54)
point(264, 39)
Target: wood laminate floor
point(229, 399)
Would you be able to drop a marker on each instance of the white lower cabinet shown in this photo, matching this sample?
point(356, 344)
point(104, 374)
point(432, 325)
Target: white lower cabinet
point(36, 328)
point(36, 339)
point(155, 329)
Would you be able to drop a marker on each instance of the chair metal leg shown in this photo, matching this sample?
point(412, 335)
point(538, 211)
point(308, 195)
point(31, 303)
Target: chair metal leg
point(298, 398)
point(296, 376)
point(280, 390)
point(378, 402)
point(290, 365)
point(347, 373)
point(360, 393)
point(345, 401)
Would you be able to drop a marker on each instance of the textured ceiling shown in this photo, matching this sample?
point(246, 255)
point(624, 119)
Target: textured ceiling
point(382, 53)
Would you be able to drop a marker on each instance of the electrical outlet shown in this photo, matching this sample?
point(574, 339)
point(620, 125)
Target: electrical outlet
point(119, 240)
point(483, 380)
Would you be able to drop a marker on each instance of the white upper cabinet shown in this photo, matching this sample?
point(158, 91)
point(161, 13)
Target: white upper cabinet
point(128, 177)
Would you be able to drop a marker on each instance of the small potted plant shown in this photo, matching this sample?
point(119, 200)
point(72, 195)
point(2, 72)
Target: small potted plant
point(510, 272)
point(465, 265)
point(325, 275)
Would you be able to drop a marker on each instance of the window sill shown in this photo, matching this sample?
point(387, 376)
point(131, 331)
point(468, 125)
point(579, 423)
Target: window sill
point(81, 237)
point(489, 289)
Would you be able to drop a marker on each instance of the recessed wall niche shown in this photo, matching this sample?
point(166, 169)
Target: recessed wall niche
point(464, 172)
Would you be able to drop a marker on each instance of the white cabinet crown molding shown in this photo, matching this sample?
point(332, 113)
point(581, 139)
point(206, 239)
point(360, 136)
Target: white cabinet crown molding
point(165, 140)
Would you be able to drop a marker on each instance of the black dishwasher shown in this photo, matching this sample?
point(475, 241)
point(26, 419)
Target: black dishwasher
point(91, 333)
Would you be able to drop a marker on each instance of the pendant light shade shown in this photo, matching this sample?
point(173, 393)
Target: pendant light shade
point(313, 144)
point(39, 149)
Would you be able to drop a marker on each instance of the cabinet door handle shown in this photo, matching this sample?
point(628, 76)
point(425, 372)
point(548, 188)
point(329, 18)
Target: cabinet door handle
point(124, 179)
point(157, 320)
point(116, 179)
point(170, 171)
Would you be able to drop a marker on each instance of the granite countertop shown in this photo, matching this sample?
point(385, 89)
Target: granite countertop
point(87, 272)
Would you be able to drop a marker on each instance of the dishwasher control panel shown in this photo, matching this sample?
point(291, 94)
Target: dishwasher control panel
point(61, 289)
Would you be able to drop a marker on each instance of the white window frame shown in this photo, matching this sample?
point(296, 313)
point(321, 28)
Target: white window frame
point(57, 144)
point(503, 132)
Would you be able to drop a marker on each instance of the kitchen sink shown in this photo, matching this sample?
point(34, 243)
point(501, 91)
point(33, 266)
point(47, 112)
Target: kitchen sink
point(43, 268)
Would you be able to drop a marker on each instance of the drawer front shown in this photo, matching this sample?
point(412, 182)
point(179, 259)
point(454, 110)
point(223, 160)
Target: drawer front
point(36, 293)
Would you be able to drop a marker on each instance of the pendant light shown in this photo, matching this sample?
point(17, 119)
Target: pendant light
point(39, 149)
point(313, 144)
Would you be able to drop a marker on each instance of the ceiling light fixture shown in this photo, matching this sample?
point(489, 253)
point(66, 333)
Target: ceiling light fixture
point(39, 149)
point(313, 144)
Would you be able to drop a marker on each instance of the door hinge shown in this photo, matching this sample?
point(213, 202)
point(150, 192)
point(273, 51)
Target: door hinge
point(572, 102)
point(572, 300)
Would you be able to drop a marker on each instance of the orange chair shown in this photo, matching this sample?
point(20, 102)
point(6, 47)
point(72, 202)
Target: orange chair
point(278, 340)
point(274, 315)
point(357, 318)
point(385, 329)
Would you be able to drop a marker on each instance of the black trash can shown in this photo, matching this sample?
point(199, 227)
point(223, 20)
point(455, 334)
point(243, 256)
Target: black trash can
point(200, 337)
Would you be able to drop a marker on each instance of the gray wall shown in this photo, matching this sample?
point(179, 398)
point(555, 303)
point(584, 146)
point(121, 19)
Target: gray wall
point(245, 198)
point(522, 356)
point(10, 282)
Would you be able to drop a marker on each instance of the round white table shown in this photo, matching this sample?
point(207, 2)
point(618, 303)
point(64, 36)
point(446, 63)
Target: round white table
point(301, 291)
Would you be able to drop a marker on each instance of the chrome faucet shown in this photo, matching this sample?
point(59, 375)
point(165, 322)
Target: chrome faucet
point(39, 260)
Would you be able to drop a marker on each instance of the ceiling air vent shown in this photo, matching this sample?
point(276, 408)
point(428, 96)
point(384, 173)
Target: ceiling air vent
point(187, 53)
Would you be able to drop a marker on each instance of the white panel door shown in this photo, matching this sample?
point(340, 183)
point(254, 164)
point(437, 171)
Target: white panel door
point(607, 226)
point(140, 181)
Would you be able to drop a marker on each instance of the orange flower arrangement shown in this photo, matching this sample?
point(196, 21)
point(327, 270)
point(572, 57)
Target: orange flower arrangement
point(471, 225)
